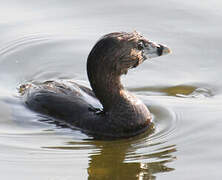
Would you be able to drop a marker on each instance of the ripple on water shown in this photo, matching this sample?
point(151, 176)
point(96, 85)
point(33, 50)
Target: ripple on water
point(40, 57)
point(22, 42)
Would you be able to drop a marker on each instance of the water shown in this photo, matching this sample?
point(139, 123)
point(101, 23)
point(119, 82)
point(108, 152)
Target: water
point(43, 40)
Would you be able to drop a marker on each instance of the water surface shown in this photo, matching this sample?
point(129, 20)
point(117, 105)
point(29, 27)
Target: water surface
point(42, 40)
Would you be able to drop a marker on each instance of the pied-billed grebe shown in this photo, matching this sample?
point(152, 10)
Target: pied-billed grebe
point(122, 115)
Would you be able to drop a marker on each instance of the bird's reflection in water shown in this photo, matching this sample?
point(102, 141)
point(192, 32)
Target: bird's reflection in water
point(123, 159)
point(118, 160)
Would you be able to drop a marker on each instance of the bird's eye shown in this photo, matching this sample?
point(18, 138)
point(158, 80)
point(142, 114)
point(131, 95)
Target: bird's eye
point(140, 45)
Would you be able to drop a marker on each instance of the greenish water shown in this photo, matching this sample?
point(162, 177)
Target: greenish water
point(42, 40)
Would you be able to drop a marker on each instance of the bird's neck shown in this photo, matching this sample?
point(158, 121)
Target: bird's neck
point(108, 89)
